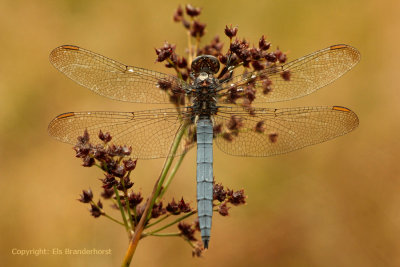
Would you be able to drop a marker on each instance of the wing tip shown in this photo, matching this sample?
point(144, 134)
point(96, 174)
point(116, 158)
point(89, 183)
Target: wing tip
point(356, 121)
point(50, 128)
point(354, 52)
point(55, 51)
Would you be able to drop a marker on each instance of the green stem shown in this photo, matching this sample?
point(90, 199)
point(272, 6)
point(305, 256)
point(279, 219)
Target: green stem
point(149, 206)
point(172, 223)
point(172, 174)
point(127, 202)
point(113, 219)
point(190, 56)
point(156, 222)
point(121, 209)
point(167, 165)
point(162, 234)
point(103, 213)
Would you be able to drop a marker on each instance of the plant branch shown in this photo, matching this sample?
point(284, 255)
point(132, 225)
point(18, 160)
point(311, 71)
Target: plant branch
point(121, 209)
point(167, 165)
point(158, 221)
point(172, 174)
point(171, 223)
point(163, 234)
point(149, 205)
point(103, 213)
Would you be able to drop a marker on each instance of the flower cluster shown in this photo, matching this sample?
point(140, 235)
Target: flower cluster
point(239, 53)
point(117, 166)
point(257, 60)
point(222, 198)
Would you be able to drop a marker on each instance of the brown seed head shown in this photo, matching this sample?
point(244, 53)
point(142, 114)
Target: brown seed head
point(263, 44)
point(192, 11)
point(87, 196)
point(236, 198)
point(231, 32)
point(187, 231)
point(223, 209)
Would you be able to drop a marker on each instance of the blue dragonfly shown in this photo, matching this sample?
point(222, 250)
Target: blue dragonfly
point(208, 109)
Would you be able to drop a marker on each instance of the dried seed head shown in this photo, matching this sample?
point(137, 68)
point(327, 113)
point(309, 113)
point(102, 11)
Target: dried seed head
point(109, 181)
point(237, 197)
point(192, 11)
point(260, 127)
point(87, 196)
point(257, 65)
point(270, 57)
point(178, 15)
point(88, 161)
point(172, 207)
point(217, 129)
point(107, 193)
point(157, 210)
point(95, 211)
point(266, 85)
point(197, 29)
point(234, 123)
point(164, 84)
point(119, 171)
point(197, 249)
point(165, 52)
point(273, 137)
point(187, 231)
point(231, 32)
point(286, 75)
point(263, 44)
point(219, 192)
point(223, 209)
point(84, 139)
point(184, 207)
point(134, 199)
point(129, 164)
point(228, 137)
point(105, 137)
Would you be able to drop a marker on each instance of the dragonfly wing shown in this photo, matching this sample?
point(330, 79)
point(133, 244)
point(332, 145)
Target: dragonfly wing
point(276, 131)
point(112, 79)
point(297, 78)
point(149, 133)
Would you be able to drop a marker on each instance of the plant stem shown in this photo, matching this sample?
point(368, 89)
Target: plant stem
point(167, 164)
point(163, 234)
point(103, 213)
point(156, 222)
point(113, 219)
point(127, 202)
point(121, 209)
point(172, 223)
point(156, 191)
point(172, 174)
point(190, 56)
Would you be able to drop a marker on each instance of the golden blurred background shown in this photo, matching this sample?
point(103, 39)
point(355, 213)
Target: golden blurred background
point(333, 204)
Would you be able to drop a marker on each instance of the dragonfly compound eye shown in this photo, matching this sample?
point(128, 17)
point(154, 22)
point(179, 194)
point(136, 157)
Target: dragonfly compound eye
point(205, 63)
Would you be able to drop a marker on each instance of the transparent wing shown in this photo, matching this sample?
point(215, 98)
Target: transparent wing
point(149, 133)
point(277, 131)
point(297, 78)
point(112, 79)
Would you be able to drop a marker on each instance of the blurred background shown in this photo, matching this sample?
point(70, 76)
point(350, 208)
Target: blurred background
point(333, 204)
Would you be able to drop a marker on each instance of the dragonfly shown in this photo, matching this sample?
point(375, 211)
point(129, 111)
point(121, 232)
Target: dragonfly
point(206, 108)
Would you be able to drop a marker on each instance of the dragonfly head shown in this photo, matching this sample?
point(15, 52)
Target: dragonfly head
point(205, 63)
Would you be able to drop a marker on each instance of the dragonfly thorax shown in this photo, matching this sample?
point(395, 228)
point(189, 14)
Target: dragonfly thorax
point(205, 84)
